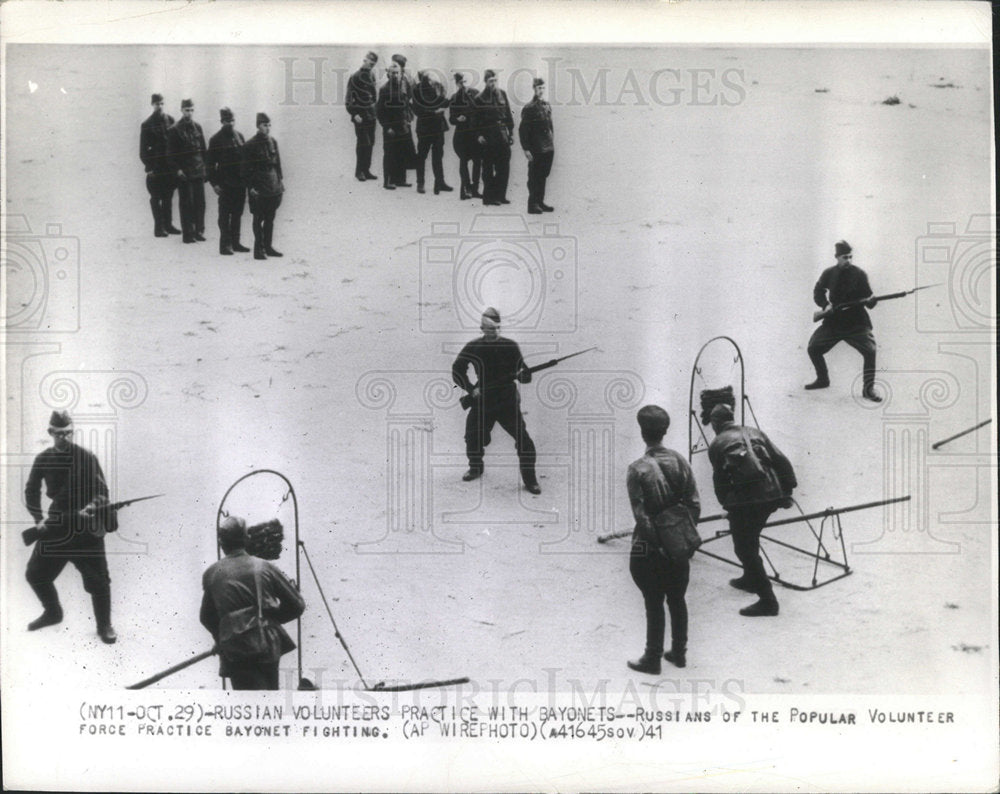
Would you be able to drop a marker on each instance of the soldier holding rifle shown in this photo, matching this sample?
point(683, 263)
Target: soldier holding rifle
point(498, 363)
point(842, 284)
point(74, 529)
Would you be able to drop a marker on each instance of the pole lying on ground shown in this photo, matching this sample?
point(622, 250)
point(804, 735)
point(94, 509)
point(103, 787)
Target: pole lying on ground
point(381, 687)
point(959, 435)
point(830, 511)
point(171, 670)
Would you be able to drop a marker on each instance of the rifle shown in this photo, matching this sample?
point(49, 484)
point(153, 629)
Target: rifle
point(467, 399)
point(32, 534)
point(817, 316)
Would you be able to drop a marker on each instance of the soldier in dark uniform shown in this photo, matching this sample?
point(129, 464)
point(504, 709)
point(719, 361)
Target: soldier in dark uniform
point(498, 364)
point(391, 111)
point(429, 104)
point(159, 174)
point(360, 104)
point(239, 584)
point(186, 151)
point(665, 503)
point(462, 114)
point(842, 283)
point(535, 133)
point(263, 179)
point(749, 492)
point(74, 529)
point(408, 84)
point(225, 161)
point(496, 133)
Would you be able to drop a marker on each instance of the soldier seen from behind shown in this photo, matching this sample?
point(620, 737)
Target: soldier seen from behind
point(752, 479)
point(665, 503)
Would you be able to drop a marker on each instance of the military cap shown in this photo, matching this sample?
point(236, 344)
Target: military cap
point(156, 98)
point(232, 532)
point(187, 103)
point(371, 56)
point(225, 114)
point(262, 118)
point(60, 420)
point(537, 82)
point(721, 413)
point(400, 59)
point(492, 313)
point(488, 74)
point(842, 247)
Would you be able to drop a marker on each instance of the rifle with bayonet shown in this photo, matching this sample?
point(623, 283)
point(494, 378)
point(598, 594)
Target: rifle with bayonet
point(817, 316)
point(467, 399)
point(32, 534)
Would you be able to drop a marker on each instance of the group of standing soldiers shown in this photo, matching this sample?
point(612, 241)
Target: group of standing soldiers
point(484, 132)
point(176, 158)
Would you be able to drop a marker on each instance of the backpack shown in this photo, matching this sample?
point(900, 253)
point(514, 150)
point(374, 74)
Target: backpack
point(749, 471)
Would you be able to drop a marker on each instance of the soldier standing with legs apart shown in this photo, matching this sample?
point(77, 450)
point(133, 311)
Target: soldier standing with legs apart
point(498, 364)
point(361, 108)
point(186, 149)
point(263, 179)
point(752, 479)
point(535, 133)
point(842, 283)
point(391, 111)
point(664, 499)
point(496, 134)
point(241, 592)
point(159, 174)
point(462, 114)
point(429, 104)
point(74, 529)
point(225, 163)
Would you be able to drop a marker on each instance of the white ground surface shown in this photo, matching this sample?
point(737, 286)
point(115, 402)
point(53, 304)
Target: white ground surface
point(689, 221)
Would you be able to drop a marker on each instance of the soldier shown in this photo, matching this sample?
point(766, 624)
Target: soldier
point(391, 111)
point(429, 104)
point(535, 132)
point(462, 114)
point(752, 479)
point(74, 529)
point(263, 179)
point(238, 590)
point(842, 283)
point(159, 174)
point(496, 133)
point(664, 499)
point(495, 399)
point(361, 108)
point(225, 161)
point(408, 84)
point(186, 150)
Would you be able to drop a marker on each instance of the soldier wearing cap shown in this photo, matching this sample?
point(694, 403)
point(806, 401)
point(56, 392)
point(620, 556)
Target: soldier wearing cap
point(361, 96)
point(462, 115)
point(752, 479)
point(263, 179)
point(535, 132)
point(429, 104)
point(497, 363)
point(186, 151)
point(74, 529)
point(841, 283)
point(225, 162)
point(392, 111)
point(665, 503)
point(159, 174)
point(496, 134)
point(239, 585)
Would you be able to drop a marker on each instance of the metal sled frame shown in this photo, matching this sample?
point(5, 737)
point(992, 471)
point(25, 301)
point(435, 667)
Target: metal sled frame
point(223, 513)
point(300, 549)
point(821, 554)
